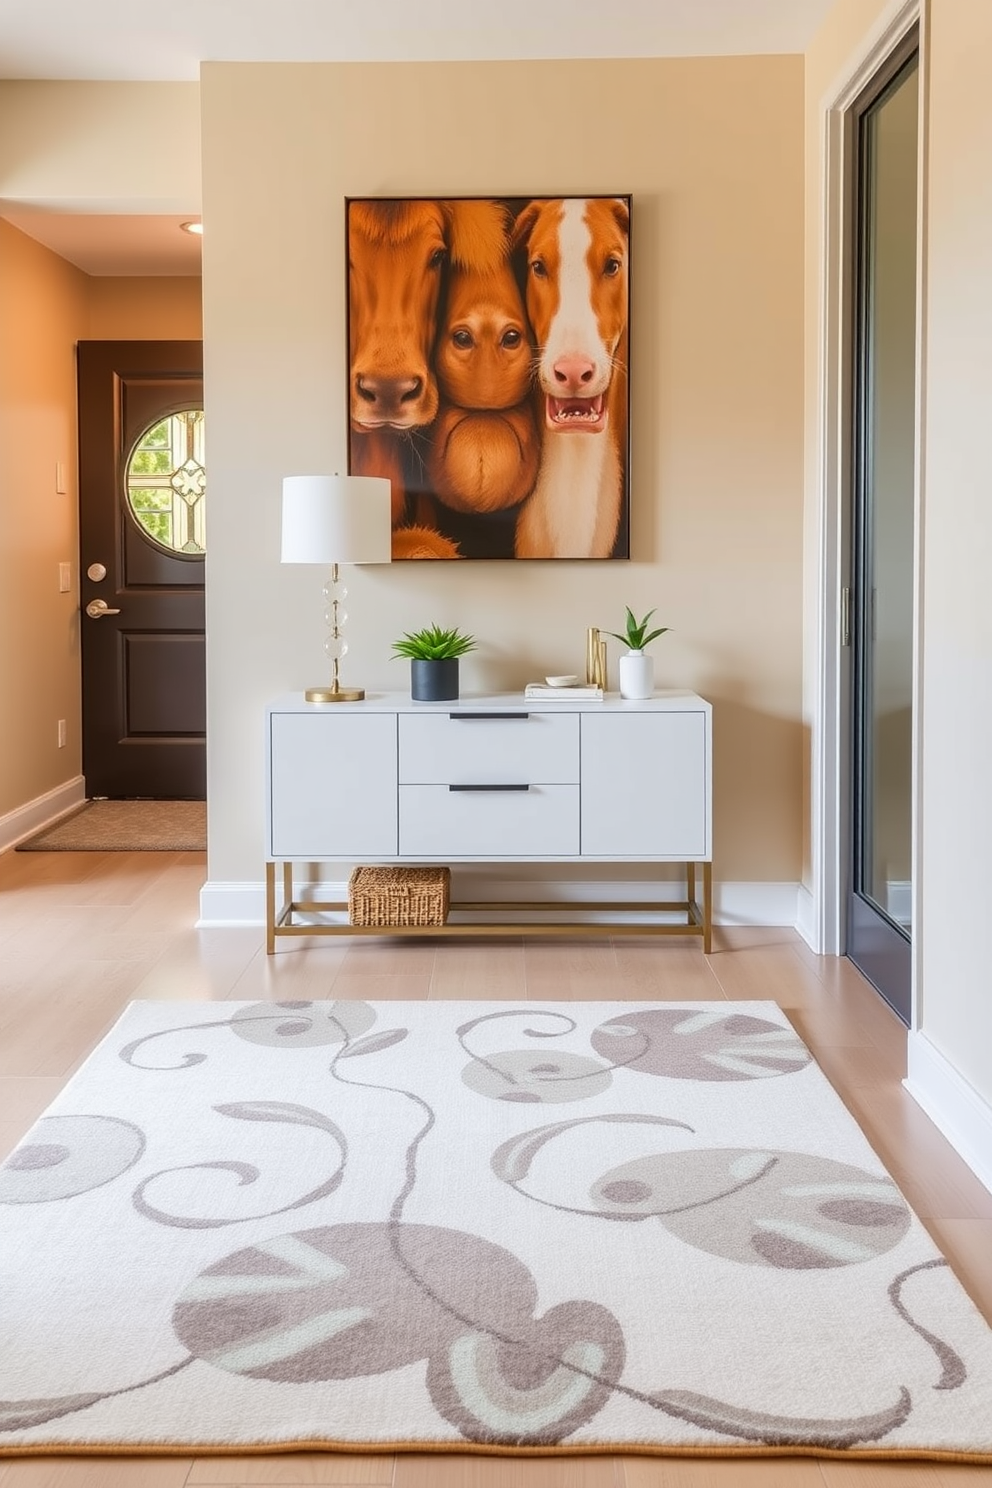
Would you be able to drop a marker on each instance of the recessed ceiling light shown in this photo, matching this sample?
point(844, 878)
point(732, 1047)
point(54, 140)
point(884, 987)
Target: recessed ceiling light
point(192, 227)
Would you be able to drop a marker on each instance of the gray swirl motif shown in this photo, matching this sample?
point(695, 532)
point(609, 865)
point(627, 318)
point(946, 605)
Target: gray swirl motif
point(285, 1026)
point(788, 1210)
point(680, 1043)
point(535, 1076)
point(63, 1156)
point(701, 1044)
point(247, 1173)
point(302, 1025)
point(276, 1025)
point(361, 1299)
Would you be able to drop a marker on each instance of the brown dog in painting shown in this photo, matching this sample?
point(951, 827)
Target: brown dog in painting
point(397, 252)
point(396, 255)
point(484, 447)
point(577, 301)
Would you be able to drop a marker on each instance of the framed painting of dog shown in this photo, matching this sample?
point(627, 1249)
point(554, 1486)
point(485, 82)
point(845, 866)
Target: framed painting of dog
point(488, 345)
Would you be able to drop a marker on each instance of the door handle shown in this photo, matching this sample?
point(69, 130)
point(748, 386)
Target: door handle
point(97, 608)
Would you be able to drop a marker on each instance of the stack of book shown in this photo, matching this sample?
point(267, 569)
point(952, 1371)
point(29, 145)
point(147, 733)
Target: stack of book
point(542, 690)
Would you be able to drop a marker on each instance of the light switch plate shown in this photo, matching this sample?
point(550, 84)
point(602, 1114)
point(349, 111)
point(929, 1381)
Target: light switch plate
point(65, 578)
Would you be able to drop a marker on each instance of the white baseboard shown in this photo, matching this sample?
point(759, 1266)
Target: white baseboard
point(30, 818)
point(806, 918)
point(954, 1106)
point(755, 903)
point(226, 904)
point(243, 903)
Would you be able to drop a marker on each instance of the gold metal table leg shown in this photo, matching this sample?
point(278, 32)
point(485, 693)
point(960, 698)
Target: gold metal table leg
point(270, 908)
point(707, 908)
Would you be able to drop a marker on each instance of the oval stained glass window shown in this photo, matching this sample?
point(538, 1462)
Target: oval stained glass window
point(166, 484)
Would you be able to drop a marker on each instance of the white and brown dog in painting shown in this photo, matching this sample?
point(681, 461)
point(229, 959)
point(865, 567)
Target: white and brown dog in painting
point(577, 303)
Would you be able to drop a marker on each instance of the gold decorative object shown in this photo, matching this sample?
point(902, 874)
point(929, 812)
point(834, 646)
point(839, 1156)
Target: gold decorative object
point(592, 655)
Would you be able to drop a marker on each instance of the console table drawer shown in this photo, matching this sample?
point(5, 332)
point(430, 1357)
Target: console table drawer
point(462, 747)
point(540, 821)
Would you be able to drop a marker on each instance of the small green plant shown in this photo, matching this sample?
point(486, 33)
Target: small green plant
point(433, 644)
point(636, 635)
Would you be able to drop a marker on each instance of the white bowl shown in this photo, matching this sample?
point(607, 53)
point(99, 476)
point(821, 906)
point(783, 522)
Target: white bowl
point(561, 681)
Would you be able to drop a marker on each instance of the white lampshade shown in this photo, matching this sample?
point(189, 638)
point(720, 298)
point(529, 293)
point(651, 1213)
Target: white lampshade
point(336, 519)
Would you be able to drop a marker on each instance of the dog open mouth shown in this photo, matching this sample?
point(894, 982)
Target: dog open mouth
point(587, 415)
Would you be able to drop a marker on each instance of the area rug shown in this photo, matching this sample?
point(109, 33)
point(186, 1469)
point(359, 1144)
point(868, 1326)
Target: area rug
point(573, 1228)
point(126, 826)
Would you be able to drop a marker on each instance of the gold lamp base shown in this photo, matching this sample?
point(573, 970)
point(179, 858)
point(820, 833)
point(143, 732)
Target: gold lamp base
point(334, 694)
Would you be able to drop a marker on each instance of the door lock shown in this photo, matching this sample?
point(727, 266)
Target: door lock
point(97, 608)
point(96, 572)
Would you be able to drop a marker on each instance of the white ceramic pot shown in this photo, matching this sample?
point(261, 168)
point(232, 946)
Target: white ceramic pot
point(636, 675)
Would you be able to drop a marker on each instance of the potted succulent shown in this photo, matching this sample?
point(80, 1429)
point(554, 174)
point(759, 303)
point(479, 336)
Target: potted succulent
point(636, 667)
point(433, 654)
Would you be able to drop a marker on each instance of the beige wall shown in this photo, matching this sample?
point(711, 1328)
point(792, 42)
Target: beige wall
point(153, 309)
point(955, 793)
point(43, 310)
point(101, 147)
point(712, 152)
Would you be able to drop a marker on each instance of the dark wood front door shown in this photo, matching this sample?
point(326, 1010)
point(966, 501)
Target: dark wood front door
point(144, 685)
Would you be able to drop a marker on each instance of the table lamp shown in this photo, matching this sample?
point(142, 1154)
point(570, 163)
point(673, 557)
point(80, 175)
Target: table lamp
point(336, 519)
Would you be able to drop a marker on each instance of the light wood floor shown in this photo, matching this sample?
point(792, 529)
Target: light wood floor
point(83, 934)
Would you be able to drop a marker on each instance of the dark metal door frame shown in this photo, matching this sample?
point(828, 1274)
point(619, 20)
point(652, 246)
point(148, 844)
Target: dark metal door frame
point(879, 946)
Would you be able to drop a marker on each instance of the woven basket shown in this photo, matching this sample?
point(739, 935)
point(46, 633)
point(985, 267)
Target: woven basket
point(399, 896)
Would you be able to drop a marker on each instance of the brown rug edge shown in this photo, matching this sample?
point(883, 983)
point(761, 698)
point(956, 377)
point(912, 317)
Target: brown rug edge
point(49, 837)
point(735, 1452)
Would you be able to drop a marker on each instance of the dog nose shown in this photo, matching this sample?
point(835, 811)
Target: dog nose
point(388, 393)
point(573, 372)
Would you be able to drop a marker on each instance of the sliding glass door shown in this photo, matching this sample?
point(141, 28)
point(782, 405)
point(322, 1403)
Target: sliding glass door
point(881, 611)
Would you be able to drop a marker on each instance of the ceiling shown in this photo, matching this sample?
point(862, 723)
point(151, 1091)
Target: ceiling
point(139, 40)
point(109, 243)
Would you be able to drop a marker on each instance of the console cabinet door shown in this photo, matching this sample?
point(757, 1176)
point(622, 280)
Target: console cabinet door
point(333, 785)
point(645, 780)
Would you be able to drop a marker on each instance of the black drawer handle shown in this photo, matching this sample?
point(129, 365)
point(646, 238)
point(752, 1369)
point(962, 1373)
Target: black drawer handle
point(459, 716)
point(489, 787)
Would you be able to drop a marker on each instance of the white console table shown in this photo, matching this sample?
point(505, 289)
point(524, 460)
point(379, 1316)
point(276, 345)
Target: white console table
point(493, 780)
